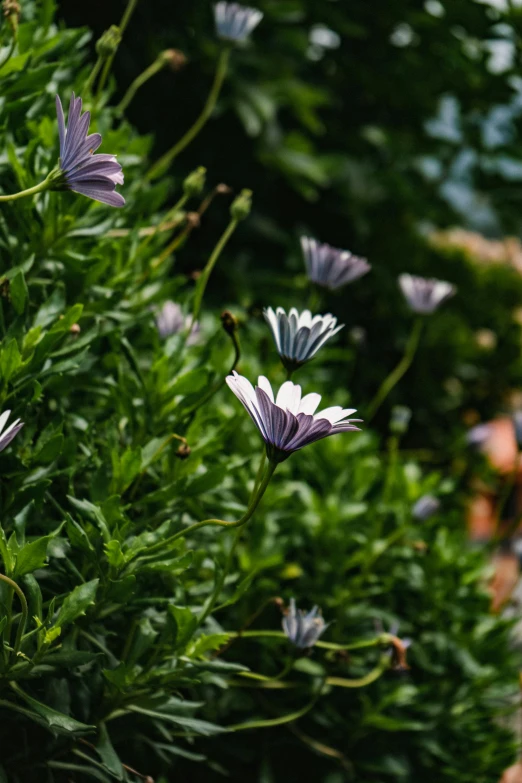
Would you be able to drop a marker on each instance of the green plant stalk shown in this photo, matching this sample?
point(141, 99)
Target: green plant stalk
point(362, 682)
point(383, 639)
point(28, 192)
point(289, 718)
point(131, 7)
point(154, 68)
point(216, 522)
point(9, 53)
point(164, 162)
point(25, 613)
point(396, 374)
point(89, 84)
point(205, 275)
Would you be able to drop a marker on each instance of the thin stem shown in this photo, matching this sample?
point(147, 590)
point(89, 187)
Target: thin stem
point(139, 81)
point(396, 374)
point(205, 275)
point(164, 162)
point(260, 472)
point(362, 682)
point(131, 6)
point(25, 612)
point(89, 84)
point(289, 718)
point(217, 522)
point(28, 192)
point(220, 581)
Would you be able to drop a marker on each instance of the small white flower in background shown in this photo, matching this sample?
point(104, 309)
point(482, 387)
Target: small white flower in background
point(289, 422)
point(170, 320)
point(302, 629)
point(235, 22)
point(6, 436)
point(425, 295)
point(298, 336)
point(478, 435)
point(425, 507)
point(329, 267)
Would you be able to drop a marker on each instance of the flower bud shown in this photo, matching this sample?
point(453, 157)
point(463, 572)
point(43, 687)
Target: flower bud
point(175, 59)
point(184, 451)
point(109, 42)
point(75, 329)
point(195, 182)
point(242, 205)
point(12, 10)
point(229, 322)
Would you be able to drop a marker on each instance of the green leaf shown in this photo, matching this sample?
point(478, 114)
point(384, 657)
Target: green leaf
point(202, 727)
point(206, 644)
point(50, 450)
point(189, 383)
point(107, 753)
point(77, 603)
point(33, 555)
point(114, 554)
point(10, 361)
point(185, 625)
point(204, 483)
point(52, 719)
point(18, 291)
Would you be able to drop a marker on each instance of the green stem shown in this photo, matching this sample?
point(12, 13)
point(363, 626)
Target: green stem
point(217, 522)
point(25, 612)
point(139, 81)
point(396, 374)
point(220, 581)
point(341, 682)
point(289, 718)
point(89, 84)
point(164, 162)
point(28, 192)
point(260, 472)
point(205, 275)
point(131, 6)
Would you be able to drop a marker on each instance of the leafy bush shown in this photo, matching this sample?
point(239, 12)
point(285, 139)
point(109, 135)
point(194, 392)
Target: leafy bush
point(151, 650)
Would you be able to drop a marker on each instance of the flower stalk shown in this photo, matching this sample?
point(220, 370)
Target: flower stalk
point(397, 373)
point(13, 588)
point(164, 162)
point(159, 63)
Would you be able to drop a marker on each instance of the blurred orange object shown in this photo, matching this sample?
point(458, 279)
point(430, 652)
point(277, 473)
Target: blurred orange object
point(505, 579)
point(513, 774)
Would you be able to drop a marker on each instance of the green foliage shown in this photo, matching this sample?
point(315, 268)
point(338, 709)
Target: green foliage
point(151, 649)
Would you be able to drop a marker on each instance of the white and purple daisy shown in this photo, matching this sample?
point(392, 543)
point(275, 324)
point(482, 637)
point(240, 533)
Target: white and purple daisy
point(288, 422)
point(330, 267)
point(298, 336)
point(235, 22)
point(80, 170)
point(425, 295)
point(6, 436)
point(302, 629)
point(170, 320)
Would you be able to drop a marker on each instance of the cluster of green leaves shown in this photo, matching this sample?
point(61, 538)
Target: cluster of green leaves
point(116, 672)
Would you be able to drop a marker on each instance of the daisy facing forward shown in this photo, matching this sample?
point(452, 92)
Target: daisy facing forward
point(288, 422)
point(330, 267)
point(80, 170)
point(298, 336)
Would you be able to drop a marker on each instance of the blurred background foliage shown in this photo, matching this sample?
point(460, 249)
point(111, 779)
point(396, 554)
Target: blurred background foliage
point(368, 126)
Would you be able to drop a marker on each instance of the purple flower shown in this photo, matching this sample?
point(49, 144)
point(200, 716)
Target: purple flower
point(6, 436)
point(235, 22)
point(478, 435)
point(425, 295)
point(302, 629)
point(94, 176)
point(298, 336)
point(330, 267)
point(425, 507)
point(170, 320)
point(289, 422)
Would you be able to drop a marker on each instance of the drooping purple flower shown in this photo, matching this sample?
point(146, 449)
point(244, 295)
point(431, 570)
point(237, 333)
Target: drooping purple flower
point(6, 436)
point(425, 507)
point(288, 422)
point(298, 336)
point(329, 267)
point(170, 320)
point(235, 22)
point(425, 295)
point(94, 176)
point(302, 629)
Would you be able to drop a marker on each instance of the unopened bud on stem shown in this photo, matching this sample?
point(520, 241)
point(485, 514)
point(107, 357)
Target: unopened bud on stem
point(229, 322)
point(195, 182)
point(242, 205)
point(108, 43)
